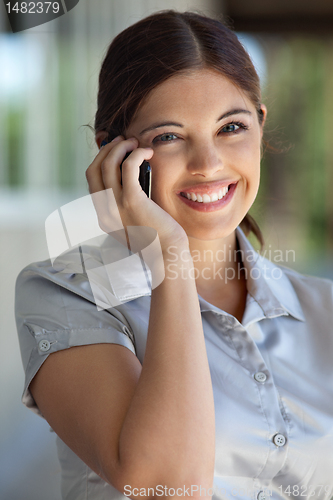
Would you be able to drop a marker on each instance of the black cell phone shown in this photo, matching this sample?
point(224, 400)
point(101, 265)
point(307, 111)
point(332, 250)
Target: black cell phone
point(144, 175)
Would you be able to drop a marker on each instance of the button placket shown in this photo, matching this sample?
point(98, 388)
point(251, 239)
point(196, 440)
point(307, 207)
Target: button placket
point(251, 358)
point(260, 377)
point(247, 350)
point(279, 440)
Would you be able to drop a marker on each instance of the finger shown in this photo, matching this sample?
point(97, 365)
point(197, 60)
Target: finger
point(131, 171)
point(93, 172)
point(110, 167)
point(97, 188)
point(108, 214)
point(104, 178)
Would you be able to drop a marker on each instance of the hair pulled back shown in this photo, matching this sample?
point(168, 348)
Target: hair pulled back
point(162, 45)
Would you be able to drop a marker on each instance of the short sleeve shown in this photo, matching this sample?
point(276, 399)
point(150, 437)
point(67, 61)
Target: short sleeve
point(56, 311)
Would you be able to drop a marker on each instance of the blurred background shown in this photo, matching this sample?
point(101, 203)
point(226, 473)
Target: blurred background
point(48, 88)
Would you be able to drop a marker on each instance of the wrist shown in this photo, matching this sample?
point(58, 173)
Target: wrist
point(176, 250)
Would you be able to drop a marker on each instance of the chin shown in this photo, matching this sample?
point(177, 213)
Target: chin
point(211, 234)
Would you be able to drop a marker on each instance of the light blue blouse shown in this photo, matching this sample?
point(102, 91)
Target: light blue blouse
point(272, 373)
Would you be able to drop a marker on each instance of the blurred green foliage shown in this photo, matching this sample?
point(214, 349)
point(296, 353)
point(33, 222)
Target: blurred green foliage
point(297, 179)
point(15, 175)
point(67, 125)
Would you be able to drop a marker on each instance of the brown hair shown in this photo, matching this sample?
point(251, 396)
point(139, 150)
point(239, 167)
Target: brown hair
point(158, 47)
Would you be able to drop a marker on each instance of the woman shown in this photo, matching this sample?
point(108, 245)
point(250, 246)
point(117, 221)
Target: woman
point(218, 380)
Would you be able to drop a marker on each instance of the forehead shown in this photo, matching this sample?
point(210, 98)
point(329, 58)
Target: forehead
point(201, 91)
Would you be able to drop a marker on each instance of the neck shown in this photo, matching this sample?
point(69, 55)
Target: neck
point(217, 262)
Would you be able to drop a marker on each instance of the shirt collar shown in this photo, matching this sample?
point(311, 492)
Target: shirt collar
point(266, 283)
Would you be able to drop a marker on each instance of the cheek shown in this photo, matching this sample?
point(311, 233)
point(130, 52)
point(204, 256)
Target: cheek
point(249, 156)
point(251, 146)
point(161, 183)
point(164, 174)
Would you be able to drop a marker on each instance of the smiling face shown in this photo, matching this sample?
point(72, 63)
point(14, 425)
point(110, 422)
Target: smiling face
point(206, 139)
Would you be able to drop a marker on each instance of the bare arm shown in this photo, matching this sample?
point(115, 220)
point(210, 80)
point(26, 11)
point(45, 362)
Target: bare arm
point(133, 426)
point(170, 421)
point(139, 426)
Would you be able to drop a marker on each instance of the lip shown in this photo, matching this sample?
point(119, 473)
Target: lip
point(207, 188)
point(214, 205)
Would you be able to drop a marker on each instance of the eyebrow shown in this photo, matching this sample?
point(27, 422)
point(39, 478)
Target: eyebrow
point(175, 124)
point(234, 112)
point(162, 124)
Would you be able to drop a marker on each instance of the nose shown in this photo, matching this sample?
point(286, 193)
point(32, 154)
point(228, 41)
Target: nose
point(205, 159)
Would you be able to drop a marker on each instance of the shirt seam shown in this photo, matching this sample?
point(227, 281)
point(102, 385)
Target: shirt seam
point(59, 330)
point(63, 303)
point(87, 482)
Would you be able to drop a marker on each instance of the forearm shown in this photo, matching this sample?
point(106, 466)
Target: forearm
point(168, 433)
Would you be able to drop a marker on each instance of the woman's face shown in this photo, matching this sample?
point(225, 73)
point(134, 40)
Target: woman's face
point(206, 139)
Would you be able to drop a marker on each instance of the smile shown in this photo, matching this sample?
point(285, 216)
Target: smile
point(209, 202)
point(206, 198)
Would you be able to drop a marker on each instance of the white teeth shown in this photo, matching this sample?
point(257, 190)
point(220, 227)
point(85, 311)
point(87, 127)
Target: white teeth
point(205, 198)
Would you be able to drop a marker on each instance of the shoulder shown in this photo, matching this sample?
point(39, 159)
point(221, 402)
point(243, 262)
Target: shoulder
point(55, 309)
point(310, 296)
point(64, 294)
point(311, 290)
point(105, 277)
point(65, 273)
point(57, 299)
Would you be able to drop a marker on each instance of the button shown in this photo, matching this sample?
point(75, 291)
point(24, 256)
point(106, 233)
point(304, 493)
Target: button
point(260, 377)
point(279, 439)
point(261, 496)
point(44, 345)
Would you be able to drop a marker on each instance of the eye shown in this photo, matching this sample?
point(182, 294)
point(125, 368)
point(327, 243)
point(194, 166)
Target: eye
point(168, 137)
point(233, 128)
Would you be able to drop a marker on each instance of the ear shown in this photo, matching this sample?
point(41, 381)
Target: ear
point(264, 116)
point(100, 136)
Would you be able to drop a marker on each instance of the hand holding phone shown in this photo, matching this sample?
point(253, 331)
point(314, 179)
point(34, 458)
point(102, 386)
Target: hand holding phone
point(134, 208)
point(144, 175)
